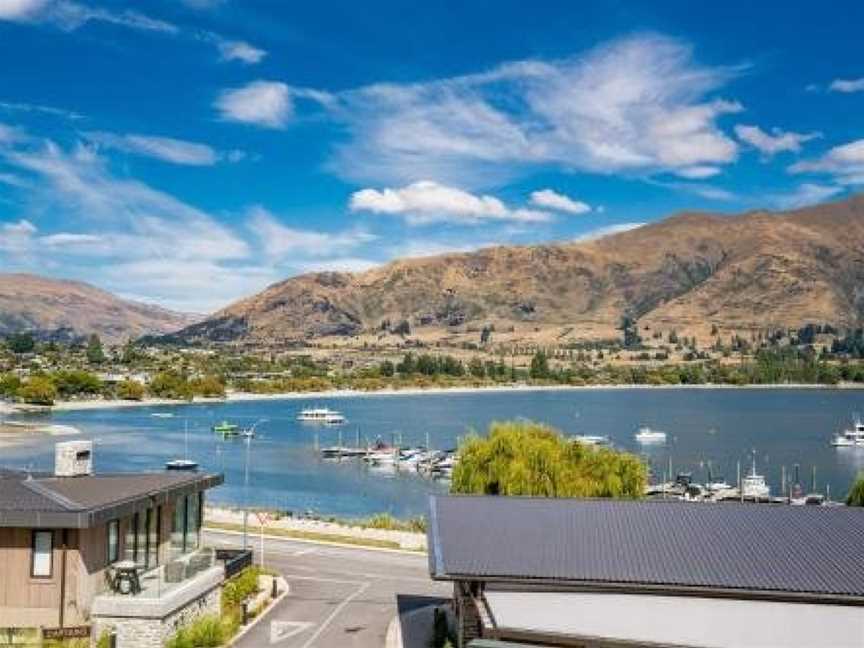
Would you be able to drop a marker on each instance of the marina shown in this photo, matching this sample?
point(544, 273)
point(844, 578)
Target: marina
point(312, 467)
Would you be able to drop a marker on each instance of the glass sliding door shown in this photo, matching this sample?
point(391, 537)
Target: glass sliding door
point(130, 541)
point(193, 520)
point(178, 528)
point(153, 519)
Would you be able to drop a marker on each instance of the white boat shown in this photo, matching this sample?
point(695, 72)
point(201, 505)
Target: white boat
point(322, 415)
point(754, 485)
point(184, 464)
point(162, 415)
point(850, 437)
point(591, 439)
point(647, 435)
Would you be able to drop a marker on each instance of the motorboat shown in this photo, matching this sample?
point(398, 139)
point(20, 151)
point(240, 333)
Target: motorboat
point(181, 464)
point(226, 429)
point(850, 437)
point(323, 415)
point(162, 415)
point(754, 485)
point(647, 435)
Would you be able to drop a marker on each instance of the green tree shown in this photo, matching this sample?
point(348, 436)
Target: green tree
point(95, 354)
point(76, 383)
point(171, 384)
point(476, 368)
point(21, 343)
point(38, 390)
point(208, 386)
point(539, 366)
point(9, 385)
point(130, 390)
point(387, 369)
point(525, 458)
point(856, 493)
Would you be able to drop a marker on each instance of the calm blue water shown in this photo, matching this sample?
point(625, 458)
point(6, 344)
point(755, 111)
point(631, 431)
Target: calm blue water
point(722, 426)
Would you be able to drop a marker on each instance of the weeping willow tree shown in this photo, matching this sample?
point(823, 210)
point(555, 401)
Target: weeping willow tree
point(524, 458)
point(856, 493)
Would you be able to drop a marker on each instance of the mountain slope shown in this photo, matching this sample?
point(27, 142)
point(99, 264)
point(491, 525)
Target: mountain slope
point(55, 308)
point(688, 272)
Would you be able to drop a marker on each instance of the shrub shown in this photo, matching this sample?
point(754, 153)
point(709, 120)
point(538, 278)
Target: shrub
point(239, 588)
point(205, 632)
point(38, 390)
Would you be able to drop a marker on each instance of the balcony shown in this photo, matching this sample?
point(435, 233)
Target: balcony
point(166, 588)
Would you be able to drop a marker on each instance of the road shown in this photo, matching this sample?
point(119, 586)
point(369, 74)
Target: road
point(339, 598)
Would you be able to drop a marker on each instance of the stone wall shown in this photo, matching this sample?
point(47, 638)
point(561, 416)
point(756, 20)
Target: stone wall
point(153, 633)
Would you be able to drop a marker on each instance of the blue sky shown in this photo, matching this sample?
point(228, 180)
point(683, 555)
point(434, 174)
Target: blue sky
point(191, 152)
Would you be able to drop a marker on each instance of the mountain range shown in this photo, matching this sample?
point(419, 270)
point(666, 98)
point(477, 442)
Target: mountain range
point(693, 273)
point(68, 310)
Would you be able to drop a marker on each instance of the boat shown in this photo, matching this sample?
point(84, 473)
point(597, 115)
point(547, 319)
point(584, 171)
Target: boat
point(754, 486)
point(249, 433)
point(322, 415)
point(591, 439)
point(181, 464)
point(226, 429)
point(162, 415)
point(853, 436)
point(184, 464)
point(647, 435)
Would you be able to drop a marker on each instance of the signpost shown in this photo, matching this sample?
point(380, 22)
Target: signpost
point(263, 519)
point(72, 632)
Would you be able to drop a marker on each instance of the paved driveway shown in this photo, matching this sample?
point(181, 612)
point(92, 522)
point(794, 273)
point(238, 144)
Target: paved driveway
point(340, 598)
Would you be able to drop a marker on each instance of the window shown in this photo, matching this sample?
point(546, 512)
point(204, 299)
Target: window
point(130, 544)
point(43, 545)
point(193, 520)
point(113, 541)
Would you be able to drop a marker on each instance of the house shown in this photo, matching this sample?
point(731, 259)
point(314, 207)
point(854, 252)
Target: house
point(82, 553)
point(602, 573)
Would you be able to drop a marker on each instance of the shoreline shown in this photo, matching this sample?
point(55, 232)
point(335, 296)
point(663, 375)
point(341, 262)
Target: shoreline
point(241, 397)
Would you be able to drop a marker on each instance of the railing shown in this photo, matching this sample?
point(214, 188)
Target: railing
point(162, 580)
point(236, 560)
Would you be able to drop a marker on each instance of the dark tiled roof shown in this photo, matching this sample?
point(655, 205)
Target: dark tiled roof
point(44, 500)
point(756, 548)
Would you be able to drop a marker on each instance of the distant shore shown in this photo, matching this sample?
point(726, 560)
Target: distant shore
point(235, 397)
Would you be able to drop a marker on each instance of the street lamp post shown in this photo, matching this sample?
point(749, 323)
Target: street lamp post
point(246, 496)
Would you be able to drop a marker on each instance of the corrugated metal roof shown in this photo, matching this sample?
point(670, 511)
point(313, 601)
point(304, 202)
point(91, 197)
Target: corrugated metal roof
point(792, 549)
point(82, 501)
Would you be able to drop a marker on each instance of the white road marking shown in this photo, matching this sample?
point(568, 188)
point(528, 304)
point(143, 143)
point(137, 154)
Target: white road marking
point(363, 587)
point(281, 630)
point(303, 552)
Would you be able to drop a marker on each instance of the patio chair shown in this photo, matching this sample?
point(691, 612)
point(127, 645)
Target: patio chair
point(199, 562)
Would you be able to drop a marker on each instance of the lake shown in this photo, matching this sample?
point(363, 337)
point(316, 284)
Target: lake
point(724, 426)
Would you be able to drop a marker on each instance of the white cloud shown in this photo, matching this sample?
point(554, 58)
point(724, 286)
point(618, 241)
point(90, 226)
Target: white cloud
point(608, 230)
point(697, 172)
point(166, 149)
point(639, 105)
point(36, 108)
point(805, 195)
point(263, 103)
point(281, 242)
point(776, 141)
point(844, 162)
point(240, 51)
point(21, 10)
point(550, 199)
point(346, 264)
point(847, 85)
point(425, 202)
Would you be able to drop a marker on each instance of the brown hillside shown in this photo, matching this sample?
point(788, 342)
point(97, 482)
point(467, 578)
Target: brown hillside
point(687, 272)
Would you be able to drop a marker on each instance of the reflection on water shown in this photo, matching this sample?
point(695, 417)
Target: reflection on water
point(716, 427)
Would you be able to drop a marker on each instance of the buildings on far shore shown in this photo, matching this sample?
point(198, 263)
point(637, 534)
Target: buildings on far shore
point(612, 573)
point(82, 554)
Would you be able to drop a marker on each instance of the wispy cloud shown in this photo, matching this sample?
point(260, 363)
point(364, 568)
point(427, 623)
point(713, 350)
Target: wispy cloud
point(425, 202)
point(805, 195)
point(777, 141)
point(549, 199)
point(844, 162)
point(166, 149)
point(280, 242)
point(69, 15)
point(607, 230)
point(847, 85)
point(36, 108)
point(639, 105)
